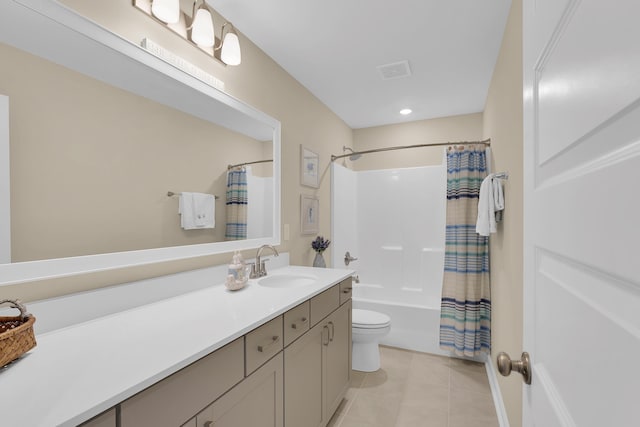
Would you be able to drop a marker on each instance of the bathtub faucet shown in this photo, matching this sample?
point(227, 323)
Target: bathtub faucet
point(258, 269)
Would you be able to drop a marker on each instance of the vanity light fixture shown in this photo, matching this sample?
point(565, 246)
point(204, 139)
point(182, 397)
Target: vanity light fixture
point(202, 32)
point(168, 11)
point(230, 45)
point(199, 26)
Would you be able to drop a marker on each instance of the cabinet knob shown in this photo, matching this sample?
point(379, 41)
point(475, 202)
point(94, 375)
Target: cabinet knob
point(295, 325)
point(263, 348)
point(208, 424)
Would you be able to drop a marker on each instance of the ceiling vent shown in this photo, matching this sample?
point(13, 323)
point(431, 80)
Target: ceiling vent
point(394, 71)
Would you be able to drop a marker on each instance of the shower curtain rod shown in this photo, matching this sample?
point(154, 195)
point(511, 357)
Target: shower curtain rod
point(402, 147)
point(248, 163)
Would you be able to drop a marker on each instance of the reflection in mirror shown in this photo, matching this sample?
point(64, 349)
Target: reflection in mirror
point(92, 164)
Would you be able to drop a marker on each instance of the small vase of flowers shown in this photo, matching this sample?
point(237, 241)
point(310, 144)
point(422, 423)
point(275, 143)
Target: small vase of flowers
point(320, 244)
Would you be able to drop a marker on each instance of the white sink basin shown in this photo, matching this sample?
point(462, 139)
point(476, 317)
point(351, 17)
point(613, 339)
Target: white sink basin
point(287, 280)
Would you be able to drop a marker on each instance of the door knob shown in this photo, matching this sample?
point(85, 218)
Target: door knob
point(506, 365)
point(348, 258)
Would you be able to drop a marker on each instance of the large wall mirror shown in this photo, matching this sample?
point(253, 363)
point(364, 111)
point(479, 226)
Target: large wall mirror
point(100, 132)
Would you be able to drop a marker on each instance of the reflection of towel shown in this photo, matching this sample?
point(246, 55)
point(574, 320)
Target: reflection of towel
point(197, 210)
point(491, 201)
point(236, 208)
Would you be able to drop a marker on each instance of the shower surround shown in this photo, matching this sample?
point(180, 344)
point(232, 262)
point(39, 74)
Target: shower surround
point(393, 221)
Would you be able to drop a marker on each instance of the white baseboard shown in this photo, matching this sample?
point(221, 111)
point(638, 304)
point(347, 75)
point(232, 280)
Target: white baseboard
point(495, 392)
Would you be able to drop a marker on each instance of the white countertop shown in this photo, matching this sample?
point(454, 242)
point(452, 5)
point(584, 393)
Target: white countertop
point(80, 370)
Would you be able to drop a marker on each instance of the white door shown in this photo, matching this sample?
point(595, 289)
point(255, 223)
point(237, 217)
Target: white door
point(582, 212)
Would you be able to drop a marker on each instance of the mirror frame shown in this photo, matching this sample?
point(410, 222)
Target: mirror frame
point(72, 40)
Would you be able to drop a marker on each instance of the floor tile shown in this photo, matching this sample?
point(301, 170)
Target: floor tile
point(416, 416)
point(414, 389)
point(468, 408)
point(469, 376)
point(429, 369)
point(376, 409)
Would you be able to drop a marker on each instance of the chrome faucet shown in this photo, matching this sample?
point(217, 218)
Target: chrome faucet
point(258, 269)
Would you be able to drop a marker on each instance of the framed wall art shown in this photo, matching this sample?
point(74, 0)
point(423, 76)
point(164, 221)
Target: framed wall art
point(309, 163)
point(309, 212)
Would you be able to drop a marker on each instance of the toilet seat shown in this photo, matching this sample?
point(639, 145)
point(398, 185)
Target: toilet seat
point(367, 319)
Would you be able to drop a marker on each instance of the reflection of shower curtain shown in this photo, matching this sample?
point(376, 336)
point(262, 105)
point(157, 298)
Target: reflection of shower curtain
point(236, 205)
point(465, 317)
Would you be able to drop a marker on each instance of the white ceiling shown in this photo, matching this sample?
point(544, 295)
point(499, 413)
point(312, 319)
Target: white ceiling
point(333, 48)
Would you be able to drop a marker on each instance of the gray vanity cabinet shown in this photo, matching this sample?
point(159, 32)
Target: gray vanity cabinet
point(255, 402)
point(292, 371)
point(317, 366)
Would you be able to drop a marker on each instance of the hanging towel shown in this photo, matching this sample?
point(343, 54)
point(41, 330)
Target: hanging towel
point(491, 200)
point(197, 210)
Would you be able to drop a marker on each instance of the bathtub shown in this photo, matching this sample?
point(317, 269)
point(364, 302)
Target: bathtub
point(414, 325)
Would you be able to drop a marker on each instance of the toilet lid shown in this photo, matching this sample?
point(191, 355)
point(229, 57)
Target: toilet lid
point(369, 319)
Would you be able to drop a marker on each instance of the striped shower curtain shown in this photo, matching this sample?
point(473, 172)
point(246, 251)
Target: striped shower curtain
point(465, 317)
point(236, 208)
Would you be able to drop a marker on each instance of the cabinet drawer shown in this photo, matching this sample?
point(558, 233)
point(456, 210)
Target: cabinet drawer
point(345, 290)
point(323, 304)
point(296, 322)
point(178, 397)
point(262, 344)
point(106, 419)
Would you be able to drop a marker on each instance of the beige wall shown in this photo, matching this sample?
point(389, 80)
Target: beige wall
point(257, 81)
point(503, 124)
point(466, 127)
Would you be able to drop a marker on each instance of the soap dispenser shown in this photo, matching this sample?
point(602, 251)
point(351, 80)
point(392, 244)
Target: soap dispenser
point(237, 275)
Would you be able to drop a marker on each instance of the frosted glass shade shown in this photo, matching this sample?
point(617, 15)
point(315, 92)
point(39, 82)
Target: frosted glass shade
point(166, 10)
point(230, 53)
point(202, 32)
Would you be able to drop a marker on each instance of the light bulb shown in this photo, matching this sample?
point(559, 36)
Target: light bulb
point(230, 53)
point(202, 32)
point(405, 111)
point(166, 10)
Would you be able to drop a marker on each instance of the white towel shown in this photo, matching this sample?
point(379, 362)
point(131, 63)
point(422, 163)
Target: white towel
point(197, 210)
point(491, 201)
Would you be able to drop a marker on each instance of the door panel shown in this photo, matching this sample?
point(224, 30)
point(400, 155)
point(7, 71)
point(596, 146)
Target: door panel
point(582, 166)
point(338, 365)
point(585, 75)
point(303, 379)
point(255, 402)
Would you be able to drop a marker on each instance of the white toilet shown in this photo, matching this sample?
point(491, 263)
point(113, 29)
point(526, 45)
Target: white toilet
point(368, 327)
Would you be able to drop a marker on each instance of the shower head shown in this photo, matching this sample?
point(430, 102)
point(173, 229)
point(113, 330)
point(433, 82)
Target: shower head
point(353, 157)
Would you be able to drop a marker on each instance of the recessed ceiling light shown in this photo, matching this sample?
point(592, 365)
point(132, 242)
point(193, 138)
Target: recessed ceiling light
point(405, 111)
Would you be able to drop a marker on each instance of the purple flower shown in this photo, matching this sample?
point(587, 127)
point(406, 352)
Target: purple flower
point(320, 244)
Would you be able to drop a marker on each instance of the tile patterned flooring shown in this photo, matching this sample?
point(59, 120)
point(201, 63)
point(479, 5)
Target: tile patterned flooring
point(415, 389)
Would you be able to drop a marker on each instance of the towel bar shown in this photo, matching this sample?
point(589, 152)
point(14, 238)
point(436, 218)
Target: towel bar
point(171, 193)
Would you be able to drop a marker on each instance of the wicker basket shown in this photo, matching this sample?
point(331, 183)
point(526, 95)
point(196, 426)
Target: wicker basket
point(16, 333)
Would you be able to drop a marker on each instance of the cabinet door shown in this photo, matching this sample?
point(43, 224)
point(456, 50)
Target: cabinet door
point(303, 379)
point(255, 402)
point(337, 358)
